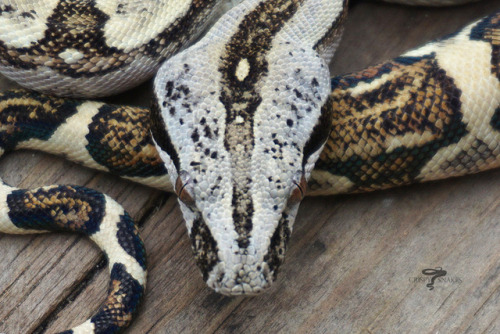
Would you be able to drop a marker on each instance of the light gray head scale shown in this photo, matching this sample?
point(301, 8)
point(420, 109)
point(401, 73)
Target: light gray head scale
point(239, 124)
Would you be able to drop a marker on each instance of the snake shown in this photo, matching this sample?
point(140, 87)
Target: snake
point(245, 121)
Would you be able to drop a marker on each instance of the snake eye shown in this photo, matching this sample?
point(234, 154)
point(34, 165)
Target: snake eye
point(299, 192)
point(182, 192)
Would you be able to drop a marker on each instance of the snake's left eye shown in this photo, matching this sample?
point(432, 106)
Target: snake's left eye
point(299, 191)
point(182, 190)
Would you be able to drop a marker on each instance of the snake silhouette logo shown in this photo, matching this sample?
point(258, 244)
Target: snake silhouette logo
point(434, 273)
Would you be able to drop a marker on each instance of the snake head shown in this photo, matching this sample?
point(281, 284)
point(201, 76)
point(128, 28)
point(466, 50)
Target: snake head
point(239, 130)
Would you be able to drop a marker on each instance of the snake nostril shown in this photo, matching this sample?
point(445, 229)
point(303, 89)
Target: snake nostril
point(241, 279)
point(220, 277)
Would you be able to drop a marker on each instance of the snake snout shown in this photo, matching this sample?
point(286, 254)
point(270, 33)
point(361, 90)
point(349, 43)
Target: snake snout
point(241, 279)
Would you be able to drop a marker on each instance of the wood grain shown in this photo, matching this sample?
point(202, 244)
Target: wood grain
point(354, 263)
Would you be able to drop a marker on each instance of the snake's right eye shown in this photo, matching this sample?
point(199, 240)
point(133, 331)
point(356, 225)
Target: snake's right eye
point(182, 190)
point(299, 191)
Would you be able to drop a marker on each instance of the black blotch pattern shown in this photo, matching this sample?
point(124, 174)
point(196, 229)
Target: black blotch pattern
point(117, 138)
point(195, 136)
point(6, 9)
point(129, 240)
point(488, 30)
point(204, 247)
point(125, 294)
point(79, 25)
point(73, 24)
point(60, 208)
point(495, 120)
point(169, 88)
point(37, 117)
point(276, 252)
point(412, 114)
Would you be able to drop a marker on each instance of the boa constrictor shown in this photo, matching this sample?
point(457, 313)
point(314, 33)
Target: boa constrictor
point(241, 122)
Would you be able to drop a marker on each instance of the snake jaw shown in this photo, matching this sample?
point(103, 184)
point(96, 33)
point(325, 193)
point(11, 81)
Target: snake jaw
point(230, 269)
point(229, 266)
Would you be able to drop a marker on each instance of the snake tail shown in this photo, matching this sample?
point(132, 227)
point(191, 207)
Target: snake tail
point(85, 211)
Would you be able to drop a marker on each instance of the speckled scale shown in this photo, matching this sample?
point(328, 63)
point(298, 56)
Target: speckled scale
point(238, 109)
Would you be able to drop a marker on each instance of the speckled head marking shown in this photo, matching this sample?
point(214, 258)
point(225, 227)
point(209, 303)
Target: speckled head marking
point(237, 123)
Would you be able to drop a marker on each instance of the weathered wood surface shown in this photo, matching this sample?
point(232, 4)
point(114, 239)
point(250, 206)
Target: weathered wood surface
point(352, 261)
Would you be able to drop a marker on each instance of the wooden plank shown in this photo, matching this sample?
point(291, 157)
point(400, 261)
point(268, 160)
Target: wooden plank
point(354, 262)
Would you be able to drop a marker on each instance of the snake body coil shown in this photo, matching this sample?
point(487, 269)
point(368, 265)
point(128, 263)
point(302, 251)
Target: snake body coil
point(85, 48)
point(241, 122)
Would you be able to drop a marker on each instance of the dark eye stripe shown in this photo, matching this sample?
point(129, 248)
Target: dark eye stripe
point(335, 29)
point(320, 132)
point(160, 134)
point(204, 247)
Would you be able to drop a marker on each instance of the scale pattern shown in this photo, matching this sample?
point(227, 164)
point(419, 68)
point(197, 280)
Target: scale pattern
point(106, 137)
point(89, 48)
point(86, 211)
point(262, 76)
point(418, 117)
point(236, 127)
